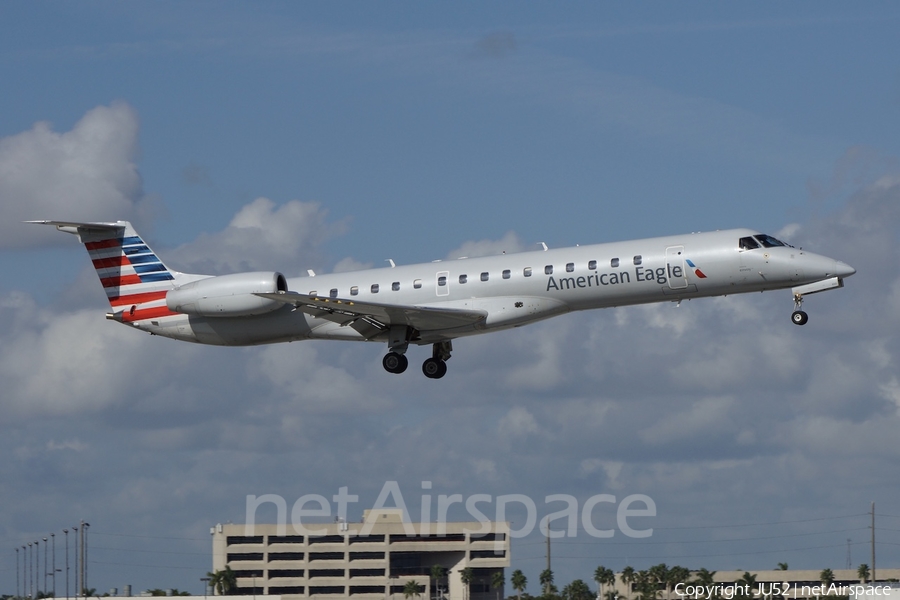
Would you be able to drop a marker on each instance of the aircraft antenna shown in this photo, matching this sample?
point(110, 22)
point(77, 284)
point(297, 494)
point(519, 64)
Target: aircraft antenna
point(311, 272)
point(544, 246)
point(390, 260)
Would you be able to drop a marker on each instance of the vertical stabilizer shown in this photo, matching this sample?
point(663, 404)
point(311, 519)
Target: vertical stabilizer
point(134, 278)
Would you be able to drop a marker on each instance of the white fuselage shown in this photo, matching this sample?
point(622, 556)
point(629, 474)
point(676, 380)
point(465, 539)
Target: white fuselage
point(521, 288)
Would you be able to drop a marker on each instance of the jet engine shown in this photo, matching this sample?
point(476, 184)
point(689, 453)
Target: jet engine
point(228, 295)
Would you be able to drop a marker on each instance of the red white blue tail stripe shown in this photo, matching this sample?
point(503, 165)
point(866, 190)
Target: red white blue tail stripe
point(133, 277)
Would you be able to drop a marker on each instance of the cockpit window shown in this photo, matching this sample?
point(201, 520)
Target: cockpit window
point(748, 243)
point(768, 241)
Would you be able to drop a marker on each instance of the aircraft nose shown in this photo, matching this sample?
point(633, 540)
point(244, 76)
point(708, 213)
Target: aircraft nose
point(843, 269)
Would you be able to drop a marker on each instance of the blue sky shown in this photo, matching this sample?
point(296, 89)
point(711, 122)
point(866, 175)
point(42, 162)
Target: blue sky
point(408, 131)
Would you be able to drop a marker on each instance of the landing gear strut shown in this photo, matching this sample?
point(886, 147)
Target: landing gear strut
point(799, 317)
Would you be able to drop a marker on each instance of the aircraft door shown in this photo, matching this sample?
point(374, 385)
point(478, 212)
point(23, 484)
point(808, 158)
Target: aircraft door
point(675, 267)
point(442, 283)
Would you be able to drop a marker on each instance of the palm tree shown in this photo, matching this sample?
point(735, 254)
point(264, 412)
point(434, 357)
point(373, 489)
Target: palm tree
point(748, 585)
point(646, 585)
point(628, 578)
point(519, 582)
point(577, 590)
point(437, 573)
point(223, 582)
point(603, 576)
point(411, 589)
point(863, 572)
point(497, 582)
point(546, 581)
point(705, 577)
point(827, 578)
point(675, 576)
point(466, 576)
point(782, 566)
point(660, 574)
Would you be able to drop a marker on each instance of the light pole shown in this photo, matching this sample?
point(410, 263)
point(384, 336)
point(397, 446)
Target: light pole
point(84, 555)
point(30, 569)
point(53, 537)
point(45, 565)
point(77, 589)
point(66, 531)
point(17, 573)
point(24, 571)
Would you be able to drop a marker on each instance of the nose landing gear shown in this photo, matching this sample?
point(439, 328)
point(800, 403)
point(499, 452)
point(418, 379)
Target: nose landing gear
point(799, 317)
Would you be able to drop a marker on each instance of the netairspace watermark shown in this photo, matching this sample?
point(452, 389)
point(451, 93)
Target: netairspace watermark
point(770, 590)
point(478, 506)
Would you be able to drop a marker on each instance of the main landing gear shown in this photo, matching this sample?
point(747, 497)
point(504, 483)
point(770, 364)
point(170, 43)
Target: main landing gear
point(434, 368)
point(799, 317)
point(394, 362)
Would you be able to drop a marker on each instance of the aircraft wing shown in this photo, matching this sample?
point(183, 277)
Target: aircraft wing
point(370, 319)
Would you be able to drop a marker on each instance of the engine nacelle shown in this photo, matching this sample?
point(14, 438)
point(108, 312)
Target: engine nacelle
point(228, 295)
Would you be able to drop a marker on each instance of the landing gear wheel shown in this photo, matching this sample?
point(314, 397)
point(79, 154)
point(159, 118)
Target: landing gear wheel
point(394, 363)
point(434, 368)
point(799, 317)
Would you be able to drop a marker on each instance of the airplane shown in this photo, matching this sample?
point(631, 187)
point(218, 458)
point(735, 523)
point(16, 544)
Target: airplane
point(437, 302)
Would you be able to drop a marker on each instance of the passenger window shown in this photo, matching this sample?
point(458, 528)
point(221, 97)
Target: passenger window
point(592, 265)
point(333, 293)
point(570, 267)
point(527, 272)
point(463, 278)
point(442, 280)
point(314, 293)
point(354, 291)
point(748, 243)
point(548, 270)
point(614, 263)
point(374, 288)
point(637, 260)
point(395, 286)
point(506, 274)
point(417, 283)
point(485, 276)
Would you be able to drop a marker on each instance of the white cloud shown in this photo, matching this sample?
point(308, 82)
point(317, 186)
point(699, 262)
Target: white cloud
point(262, 236)
point(88, 173)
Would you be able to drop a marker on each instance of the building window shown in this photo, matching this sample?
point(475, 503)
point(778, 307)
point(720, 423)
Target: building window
point(638, 260)
point(592, 265)
point(506, 274)
point(570, 267)
point(244, 556)
point(548, 270)
point(273, 573)
point(243, 539)
point(395, 286)
point(463, 278)
point(485, 276)
point(527, 272)
point(354, 291)
point(614, 263)
point(274, 556)
point(417, 283)
point(374, 288)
